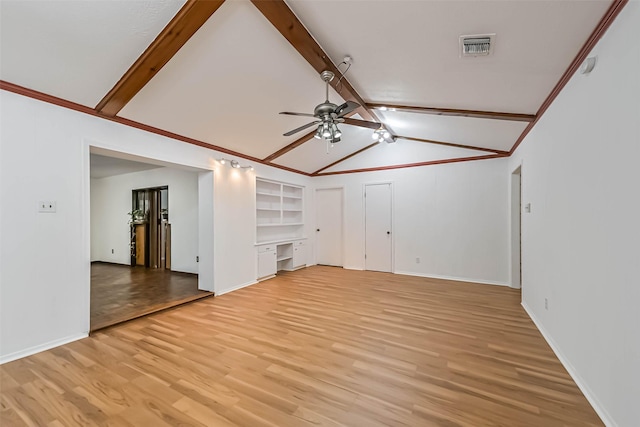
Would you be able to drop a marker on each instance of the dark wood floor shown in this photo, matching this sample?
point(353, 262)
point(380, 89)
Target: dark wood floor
point(320, 346)
point(120, 293)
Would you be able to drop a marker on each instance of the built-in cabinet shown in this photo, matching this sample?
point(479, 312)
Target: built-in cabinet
point(280, 237)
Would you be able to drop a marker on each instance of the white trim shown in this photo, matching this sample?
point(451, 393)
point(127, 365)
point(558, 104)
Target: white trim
point(457, 279)
point(235, 288)
point(580, 382)
point(515, 279)
point(41, 347)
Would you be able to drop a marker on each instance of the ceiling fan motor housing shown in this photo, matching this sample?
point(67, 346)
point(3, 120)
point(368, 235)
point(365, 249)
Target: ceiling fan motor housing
point(324, 109)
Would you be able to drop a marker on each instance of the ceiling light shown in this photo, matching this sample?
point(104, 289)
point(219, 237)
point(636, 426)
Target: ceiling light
point(383, 108)
point(223, 161)
point(382, 135)
point(318, 134)
point(235, 164)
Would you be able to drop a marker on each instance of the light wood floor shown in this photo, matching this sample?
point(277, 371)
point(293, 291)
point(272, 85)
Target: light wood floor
point(120, 292)
point(319, 346)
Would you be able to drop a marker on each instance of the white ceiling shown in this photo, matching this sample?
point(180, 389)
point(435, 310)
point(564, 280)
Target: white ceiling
point(77, 49)
point(228, 83)
point(406, 52)
point(103, 166)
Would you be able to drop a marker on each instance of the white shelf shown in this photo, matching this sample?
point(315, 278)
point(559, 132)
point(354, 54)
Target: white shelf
point(284, 258)
point(275, 242)
point(279, 211)
point(261, 193)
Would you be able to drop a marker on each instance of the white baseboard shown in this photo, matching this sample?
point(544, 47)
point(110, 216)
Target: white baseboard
point(582, 385)
point(457, 279)
point(42, 347)
point(235, 288)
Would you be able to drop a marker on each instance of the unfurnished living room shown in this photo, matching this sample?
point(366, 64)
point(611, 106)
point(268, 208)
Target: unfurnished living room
point(319, 213)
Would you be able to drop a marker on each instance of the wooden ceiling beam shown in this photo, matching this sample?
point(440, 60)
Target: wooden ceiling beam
point(411, 165)
point(451, 144)
point(285, 21)
point(281, 152)
point(453, 112)
point(345, 158)
point(178, 31)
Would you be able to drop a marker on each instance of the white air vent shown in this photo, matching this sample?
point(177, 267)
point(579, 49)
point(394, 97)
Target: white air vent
point(477, 45)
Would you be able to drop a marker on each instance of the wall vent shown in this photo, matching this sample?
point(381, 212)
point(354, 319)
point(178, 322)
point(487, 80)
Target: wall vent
point(477, 45)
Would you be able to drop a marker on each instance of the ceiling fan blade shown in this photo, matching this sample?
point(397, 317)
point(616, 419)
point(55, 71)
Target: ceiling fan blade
point(297, 114)
point(346, 108)
point(361, 123)
point(296, 130)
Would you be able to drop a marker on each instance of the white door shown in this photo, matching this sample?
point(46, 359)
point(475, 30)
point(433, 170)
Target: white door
point(329, 226)
point(377, 226)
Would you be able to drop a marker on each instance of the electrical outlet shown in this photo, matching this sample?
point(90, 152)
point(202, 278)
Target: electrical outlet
point(197, 259)
point(47, 206)
point(112, 251)
point(546, 304)
point(417, 260)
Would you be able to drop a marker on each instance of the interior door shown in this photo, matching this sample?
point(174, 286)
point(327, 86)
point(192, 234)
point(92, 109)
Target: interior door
point(378, 227)
point(329, 226)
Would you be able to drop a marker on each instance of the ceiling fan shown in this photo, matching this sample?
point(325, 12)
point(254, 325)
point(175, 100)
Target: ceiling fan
point(328, 116)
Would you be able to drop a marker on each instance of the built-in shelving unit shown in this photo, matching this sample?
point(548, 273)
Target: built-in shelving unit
point(279, 211)
point(279, 227)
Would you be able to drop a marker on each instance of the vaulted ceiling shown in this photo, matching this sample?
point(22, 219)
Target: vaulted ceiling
point(217, 73)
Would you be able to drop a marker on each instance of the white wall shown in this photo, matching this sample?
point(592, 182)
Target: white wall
point(581, 241)
point(111, 200)
point(454, 217)
point(45, 258)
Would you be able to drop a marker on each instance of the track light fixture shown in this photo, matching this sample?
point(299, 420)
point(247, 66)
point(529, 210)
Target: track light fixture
point(383, 135)
point(234, 164)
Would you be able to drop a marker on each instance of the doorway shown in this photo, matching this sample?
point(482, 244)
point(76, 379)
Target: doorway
point(377, 223)
point(516, 228)
point(329, 214)
point(150, 228)
point(134, 271)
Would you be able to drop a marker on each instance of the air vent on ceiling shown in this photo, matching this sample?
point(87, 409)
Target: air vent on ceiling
point(477, 45)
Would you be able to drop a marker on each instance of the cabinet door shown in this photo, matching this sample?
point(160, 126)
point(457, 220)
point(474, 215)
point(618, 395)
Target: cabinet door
point(267, 263)
point(299, 256)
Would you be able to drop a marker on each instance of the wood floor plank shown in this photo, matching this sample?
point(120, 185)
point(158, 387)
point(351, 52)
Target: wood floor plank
point(320, 346)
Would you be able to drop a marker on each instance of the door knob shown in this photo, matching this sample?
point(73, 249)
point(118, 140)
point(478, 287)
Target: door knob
point(388, 232)
point(317, 229)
